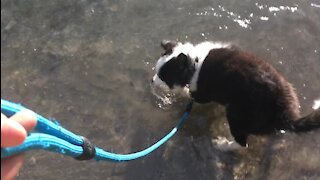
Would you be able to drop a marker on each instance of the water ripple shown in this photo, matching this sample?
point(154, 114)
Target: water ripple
point(245, 21)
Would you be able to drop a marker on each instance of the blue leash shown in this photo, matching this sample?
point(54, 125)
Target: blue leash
point(53, 137)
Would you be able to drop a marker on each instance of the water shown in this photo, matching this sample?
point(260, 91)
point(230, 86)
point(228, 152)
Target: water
point(88, 64)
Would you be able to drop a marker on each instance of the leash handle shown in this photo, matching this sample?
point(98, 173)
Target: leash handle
point(43, 125)
point(58, 139)
point(52, 137)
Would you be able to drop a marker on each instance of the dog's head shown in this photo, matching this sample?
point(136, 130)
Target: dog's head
point(175, 67)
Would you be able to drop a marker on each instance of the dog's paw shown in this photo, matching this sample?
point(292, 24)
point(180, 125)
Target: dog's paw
point(224, 144)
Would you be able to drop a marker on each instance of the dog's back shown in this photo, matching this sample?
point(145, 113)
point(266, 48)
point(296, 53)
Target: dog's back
point(256, 95)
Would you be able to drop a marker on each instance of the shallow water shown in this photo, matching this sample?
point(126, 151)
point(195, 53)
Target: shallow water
point(88, 64)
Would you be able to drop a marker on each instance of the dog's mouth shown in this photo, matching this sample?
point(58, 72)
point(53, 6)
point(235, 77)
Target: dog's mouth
point(167, 97)
point(163, 92)
point(164, 96)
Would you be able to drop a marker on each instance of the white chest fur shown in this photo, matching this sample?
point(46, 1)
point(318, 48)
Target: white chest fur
point(199, 54)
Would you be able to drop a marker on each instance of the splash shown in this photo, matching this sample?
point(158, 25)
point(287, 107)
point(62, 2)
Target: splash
point(316, 104)
point(244, 20)
point(315, 5)
point(164, 96)
point(221, 11)
point(283, 8)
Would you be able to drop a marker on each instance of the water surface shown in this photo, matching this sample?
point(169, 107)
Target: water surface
point(88, 64)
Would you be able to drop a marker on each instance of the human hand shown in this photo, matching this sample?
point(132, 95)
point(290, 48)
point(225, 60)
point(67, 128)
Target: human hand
point(13, 132)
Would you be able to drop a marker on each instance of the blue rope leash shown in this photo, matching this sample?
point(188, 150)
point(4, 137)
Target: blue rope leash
point(52, 137)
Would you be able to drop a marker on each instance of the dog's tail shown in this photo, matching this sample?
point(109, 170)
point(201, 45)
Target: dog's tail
point(304, 124)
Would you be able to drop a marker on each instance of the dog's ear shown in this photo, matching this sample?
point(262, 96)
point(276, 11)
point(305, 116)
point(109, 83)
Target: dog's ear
point(168, 46)
point(183, 58)
point(186, 69)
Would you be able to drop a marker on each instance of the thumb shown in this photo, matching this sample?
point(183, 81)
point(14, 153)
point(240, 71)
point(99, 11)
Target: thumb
point(12, 133)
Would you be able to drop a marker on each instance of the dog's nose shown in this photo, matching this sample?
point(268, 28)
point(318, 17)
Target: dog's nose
point(152, 80)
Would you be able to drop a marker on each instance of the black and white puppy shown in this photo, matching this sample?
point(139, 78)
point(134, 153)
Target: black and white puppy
point(258, 99)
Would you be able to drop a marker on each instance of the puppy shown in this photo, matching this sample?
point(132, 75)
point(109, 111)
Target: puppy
point(258, 99)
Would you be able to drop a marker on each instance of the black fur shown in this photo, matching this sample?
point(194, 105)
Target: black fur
point(178, 71)
point(258, 99)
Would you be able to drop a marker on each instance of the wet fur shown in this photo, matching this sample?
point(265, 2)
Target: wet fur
point(258, 99)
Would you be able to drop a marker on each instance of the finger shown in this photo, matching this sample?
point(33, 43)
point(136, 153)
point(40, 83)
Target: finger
point(11, 166)
point(26, 118)
point(12, 133)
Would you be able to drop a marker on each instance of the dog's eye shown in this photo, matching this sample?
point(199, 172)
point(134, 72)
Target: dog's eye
point(166, 53)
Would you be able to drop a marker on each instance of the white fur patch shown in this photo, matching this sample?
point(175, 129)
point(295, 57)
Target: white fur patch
point(156, 81)
point(201, 51)
point(180, 48)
